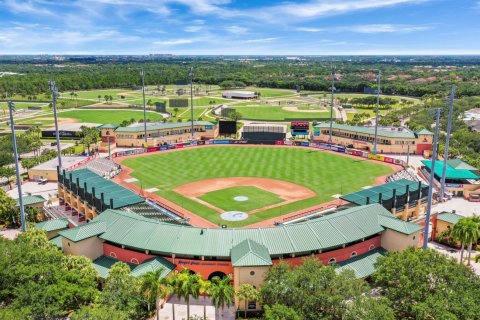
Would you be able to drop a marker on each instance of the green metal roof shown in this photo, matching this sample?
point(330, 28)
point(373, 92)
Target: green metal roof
point(121, 196)
point(369, 130)
point(249, 253)
point(52, 225)
point(395, 224)
point(103, 265)
point(331, 231)
point(373, 193)
point(153, 264)
point(423, 131)
point(451, 173)
point(29, 200)
point(85, 231)
point(167, 125)
point(460, 164)
point(449, 217)
point(57, 241)
point(363, 265)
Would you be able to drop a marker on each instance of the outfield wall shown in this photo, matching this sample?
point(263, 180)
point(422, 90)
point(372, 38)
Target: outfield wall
point(323, 146)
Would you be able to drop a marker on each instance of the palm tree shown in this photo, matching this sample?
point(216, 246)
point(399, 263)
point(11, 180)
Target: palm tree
point(187, 286)
point(222, 293)
point(246, 292)
point(152, 288)
point(204, 288)
point(472, 234)
point(459, 234)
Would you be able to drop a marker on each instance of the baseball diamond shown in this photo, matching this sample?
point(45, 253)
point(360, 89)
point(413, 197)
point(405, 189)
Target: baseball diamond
point(298, 178)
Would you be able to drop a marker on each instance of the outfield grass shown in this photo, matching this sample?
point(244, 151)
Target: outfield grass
point(325, 173)
point(257, 198)
point(97, 116)
point(276, 113)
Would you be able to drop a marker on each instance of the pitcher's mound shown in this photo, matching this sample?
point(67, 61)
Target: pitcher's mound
point(234, 216)
point(240, 198)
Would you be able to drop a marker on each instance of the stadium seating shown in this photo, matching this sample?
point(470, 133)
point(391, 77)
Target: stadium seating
point(148, 211)
point(408, 174)
point(103, 167)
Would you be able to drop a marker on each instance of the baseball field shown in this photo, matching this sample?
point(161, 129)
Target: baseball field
point(263, 181)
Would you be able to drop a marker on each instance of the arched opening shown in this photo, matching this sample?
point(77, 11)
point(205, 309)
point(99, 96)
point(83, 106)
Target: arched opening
point(219, 274)
point(191, 271)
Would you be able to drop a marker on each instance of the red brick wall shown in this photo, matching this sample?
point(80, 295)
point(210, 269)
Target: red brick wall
point(340, 254)
point(205, 268)
point(125, 255)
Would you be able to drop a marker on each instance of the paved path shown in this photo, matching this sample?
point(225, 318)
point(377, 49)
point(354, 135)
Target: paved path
point(196, 308)
point(455, 253)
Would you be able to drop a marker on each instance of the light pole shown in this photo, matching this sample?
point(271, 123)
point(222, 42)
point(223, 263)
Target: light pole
point(376, 114)
point(190, 74)
point(331, 109)
point(430, 181)
point(142, 74)
point(11, 107)
point(447, 143)
point(54, 90)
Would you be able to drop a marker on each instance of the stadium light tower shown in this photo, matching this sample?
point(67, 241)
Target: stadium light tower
point(54, 91)
point(376, 113)
point(430, 181)
point(11, 108)
point(142, 74)
point(190, 74)
point(333, 98)
point(447, 143)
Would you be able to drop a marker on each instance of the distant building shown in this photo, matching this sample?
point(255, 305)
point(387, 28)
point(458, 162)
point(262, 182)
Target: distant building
point(157, 134)
point(68, 130)
point(239, 95)
point(48, 170)
point(395, 140)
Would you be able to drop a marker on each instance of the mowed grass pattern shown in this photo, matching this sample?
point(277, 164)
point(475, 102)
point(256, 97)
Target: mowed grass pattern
point(324, 173)
point(225, 199)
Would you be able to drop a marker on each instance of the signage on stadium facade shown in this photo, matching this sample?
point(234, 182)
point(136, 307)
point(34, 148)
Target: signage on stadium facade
point(300, 125)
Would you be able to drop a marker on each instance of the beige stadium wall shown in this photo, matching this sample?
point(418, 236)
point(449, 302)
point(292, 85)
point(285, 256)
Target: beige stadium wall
point(243, 275)
point(91, 247)
point(35, 175)
point(396, 241)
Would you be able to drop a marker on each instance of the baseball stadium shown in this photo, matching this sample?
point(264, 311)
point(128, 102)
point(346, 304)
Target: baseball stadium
point(235, 207)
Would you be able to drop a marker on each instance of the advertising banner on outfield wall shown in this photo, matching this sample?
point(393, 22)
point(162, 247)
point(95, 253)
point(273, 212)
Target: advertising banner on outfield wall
point(280, 142)
point(221, 141)
point(201, 143)
point(375, 157)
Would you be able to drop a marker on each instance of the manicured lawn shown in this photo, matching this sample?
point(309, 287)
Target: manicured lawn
point(22, 105)
point(98, 116)
point(325, 173)
point(93, 94)
point(277, 113)
point(257, 198)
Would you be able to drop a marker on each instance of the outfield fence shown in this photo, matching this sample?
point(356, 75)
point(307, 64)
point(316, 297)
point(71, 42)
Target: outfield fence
point(324, 146)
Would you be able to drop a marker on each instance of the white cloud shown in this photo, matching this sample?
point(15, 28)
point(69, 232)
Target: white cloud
point(236, 29)
point(310, 29)
point(193, 28)
point(29, 6)
point(319, 8)
point(383, 28)
point(173, 42)
point(262, 40)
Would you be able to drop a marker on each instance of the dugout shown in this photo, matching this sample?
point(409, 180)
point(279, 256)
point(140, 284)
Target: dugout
point(264, 133)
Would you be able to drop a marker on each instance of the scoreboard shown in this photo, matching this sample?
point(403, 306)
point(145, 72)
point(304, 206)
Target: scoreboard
point(300, 128)
point(300, 125)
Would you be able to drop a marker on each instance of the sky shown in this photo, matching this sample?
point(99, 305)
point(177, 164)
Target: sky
point(248, 27)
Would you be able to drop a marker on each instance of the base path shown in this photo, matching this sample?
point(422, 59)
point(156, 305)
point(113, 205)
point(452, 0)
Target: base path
point(286, 190)
point(194, 219)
